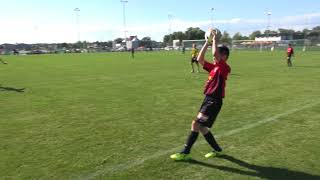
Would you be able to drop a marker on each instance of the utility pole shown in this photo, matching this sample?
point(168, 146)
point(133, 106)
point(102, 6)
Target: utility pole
point(170, 16)
point(77, 11)
point(268, 21)
point(124, 2)
point(212, 9)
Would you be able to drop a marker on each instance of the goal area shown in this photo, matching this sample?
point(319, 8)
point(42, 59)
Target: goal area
point(299, 45)
point(188, 43)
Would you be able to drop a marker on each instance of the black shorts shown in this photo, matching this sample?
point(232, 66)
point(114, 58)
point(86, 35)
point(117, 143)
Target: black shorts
point(194, 60)
point(289, 58)
point(209, 111)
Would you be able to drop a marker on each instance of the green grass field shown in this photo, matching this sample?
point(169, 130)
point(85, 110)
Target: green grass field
point(106, 116)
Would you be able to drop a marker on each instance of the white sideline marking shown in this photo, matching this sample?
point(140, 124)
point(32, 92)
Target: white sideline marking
point(130, 164)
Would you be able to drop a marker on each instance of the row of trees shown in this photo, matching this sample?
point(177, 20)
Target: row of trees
point(196, 33)
point(190, 34)
point(83, 44)
point(145, 41)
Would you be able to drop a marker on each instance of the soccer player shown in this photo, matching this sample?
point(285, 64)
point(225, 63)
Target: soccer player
point(183, 50)
point(214, 93)
point(194, 55)
point(132, 52)
point(290, 53)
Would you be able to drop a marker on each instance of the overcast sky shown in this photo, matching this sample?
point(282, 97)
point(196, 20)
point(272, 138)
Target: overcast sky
point(52, 21)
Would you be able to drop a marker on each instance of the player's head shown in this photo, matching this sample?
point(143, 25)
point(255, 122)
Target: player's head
point(224, 52)
point(194, 45)
point(289, 45)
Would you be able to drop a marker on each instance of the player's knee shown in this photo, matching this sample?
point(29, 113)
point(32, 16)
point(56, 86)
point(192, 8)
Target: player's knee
point(201, 117)
point(204, 130)
point(195, 126)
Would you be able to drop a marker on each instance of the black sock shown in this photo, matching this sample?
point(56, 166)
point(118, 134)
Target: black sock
point(213, 143)
point(190, 141)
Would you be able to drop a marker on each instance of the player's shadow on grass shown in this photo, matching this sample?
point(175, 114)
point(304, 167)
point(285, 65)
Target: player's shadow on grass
point(265, 172)
point(20, 90)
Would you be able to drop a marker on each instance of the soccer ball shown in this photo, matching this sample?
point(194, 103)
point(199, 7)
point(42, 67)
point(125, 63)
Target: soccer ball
point(209, 36)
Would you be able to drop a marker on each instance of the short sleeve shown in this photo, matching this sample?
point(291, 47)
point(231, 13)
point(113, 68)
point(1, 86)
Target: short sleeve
point(208, 66)
point(228, 72)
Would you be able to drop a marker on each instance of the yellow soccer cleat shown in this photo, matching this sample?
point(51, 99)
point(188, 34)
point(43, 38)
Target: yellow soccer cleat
point(180, 157)
point(213, 154)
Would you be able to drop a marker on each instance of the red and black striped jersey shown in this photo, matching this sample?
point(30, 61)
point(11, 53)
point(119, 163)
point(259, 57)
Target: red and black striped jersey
point(218, 74)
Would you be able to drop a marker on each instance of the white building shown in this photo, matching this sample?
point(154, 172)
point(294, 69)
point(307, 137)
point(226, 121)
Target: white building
point(176, 43)
point(132, 42)
point(268, 39)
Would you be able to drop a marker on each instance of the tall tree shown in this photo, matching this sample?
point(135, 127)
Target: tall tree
point(109, 44)
point(306, 31)
point(317, 28)
point(64, 45)
point(286, 31)
point(118, 40)
point(77, 45)
point(254, 34)
point(194, 33)
point(245, 38)
point(225, 38)
point(146, 42)
point(237, 36)
point(167, 39)
point(219, 35)
point(270, 32)
point(179, 35)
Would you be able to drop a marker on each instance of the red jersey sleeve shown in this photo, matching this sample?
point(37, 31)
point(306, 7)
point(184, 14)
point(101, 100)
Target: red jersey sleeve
point(208, 66)
point(228, 71)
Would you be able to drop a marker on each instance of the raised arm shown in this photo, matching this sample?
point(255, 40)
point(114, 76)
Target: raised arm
point(215, 53)
point(202, 53)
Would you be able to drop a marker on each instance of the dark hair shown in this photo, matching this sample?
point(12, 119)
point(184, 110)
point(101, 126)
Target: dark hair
point(224, 50)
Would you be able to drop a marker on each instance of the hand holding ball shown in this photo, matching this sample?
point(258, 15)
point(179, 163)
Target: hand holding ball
point(210, 34)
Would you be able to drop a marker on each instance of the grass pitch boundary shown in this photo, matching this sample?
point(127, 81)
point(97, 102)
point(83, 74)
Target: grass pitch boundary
point(131, 164)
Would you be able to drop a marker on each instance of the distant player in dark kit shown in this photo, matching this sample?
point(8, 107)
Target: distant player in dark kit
point(15, 52)
point(290, 53)
point(183, 50)
point(132, 52)
point(194, 55)
point(214, 93)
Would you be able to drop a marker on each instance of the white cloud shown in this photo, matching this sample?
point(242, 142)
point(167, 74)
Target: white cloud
point(29, 32)
point(245, 26)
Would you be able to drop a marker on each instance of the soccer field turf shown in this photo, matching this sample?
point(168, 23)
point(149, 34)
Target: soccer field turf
point(106, 116)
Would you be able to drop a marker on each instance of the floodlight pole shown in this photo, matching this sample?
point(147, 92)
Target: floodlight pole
point(77, 11)
point(212, 9)
point(170, 16)
point(124, 18)
point(268, 26)
point(305, 34)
